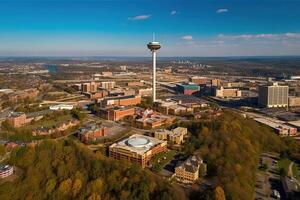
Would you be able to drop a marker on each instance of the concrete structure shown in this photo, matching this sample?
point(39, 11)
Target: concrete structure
point(273, 95)
point(227, 92)
point(187, 88)
point(17, 119)
point(92, 132)
point(137, 148)
point(279, 126)
point(188, 171)
point(154, 46)
point(6, 170)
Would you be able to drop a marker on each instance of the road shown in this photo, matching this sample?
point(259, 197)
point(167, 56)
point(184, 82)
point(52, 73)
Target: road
point(291, 173)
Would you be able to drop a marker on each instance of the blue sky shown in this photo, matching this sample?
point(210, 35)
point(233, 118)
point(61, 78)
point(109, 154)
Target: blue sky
point(123, 27)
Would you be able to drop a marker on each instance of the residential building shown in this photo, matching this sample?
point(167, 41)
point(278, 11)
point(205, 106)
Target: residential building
point(92, 132)
point(273, 95)
point(56, 129)
point(188, 171)
point(17, 119)
point(23, 94)
point(137, 148)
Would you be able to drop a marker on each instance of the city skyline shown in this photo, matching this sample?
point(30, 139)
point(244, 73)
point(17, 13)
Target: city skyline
point(121, 28)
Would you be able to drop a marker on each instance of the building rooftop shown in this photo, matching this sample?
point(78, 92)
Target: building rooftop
point(15, 114)
point(139, 144)
point(191, 164)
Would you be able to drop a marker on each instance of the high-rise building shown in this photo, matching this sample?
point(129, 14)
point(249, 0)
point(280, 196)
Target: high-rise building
point(154, 46)
point(273, 95)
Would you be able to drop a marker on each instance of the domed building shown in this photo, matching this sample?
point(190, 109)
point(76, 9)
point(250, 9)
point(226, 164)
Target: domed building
point(137, 149)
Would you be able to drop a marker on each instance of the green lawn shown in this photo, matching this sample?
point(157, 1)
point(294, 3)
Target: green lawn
point(284, 163)
point(157, 166)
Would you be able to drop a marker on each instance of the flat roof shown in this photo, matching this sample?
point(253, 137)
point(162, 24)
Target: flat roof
point(137, 143)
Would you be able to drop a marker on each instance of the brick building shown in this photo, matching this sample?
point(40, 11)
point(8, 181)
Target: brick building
point(130, 100)
point(17, 119)
point(116, 113)
point(137, 149)
point(92, 132)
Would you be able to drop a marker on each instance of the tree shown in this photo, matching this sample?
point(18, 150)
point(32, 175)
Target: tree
point(76, 187)
point(283, 172)
point(219, 193)
point(51, 184)
point(94, 196)
point(65, 186)
point(78, 114)
point(2, 150)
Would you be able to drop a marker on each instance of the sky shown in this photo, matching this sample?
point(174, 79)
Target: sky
point(124, 27)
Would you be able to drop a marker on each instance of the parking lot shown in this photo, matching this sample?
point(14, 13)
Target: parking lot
point(267, 181)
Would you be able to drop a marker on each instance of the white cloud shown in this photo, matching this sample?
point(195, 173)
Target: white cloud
point(187, 37)
point(268, 36)
point(139, 17)
point(173, 12)
point(293, 35)
point(222, 10)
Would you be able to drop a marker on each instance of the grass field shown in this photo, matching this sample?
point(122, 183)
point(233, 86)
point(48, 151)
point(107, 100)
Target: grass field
point(157, 166)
